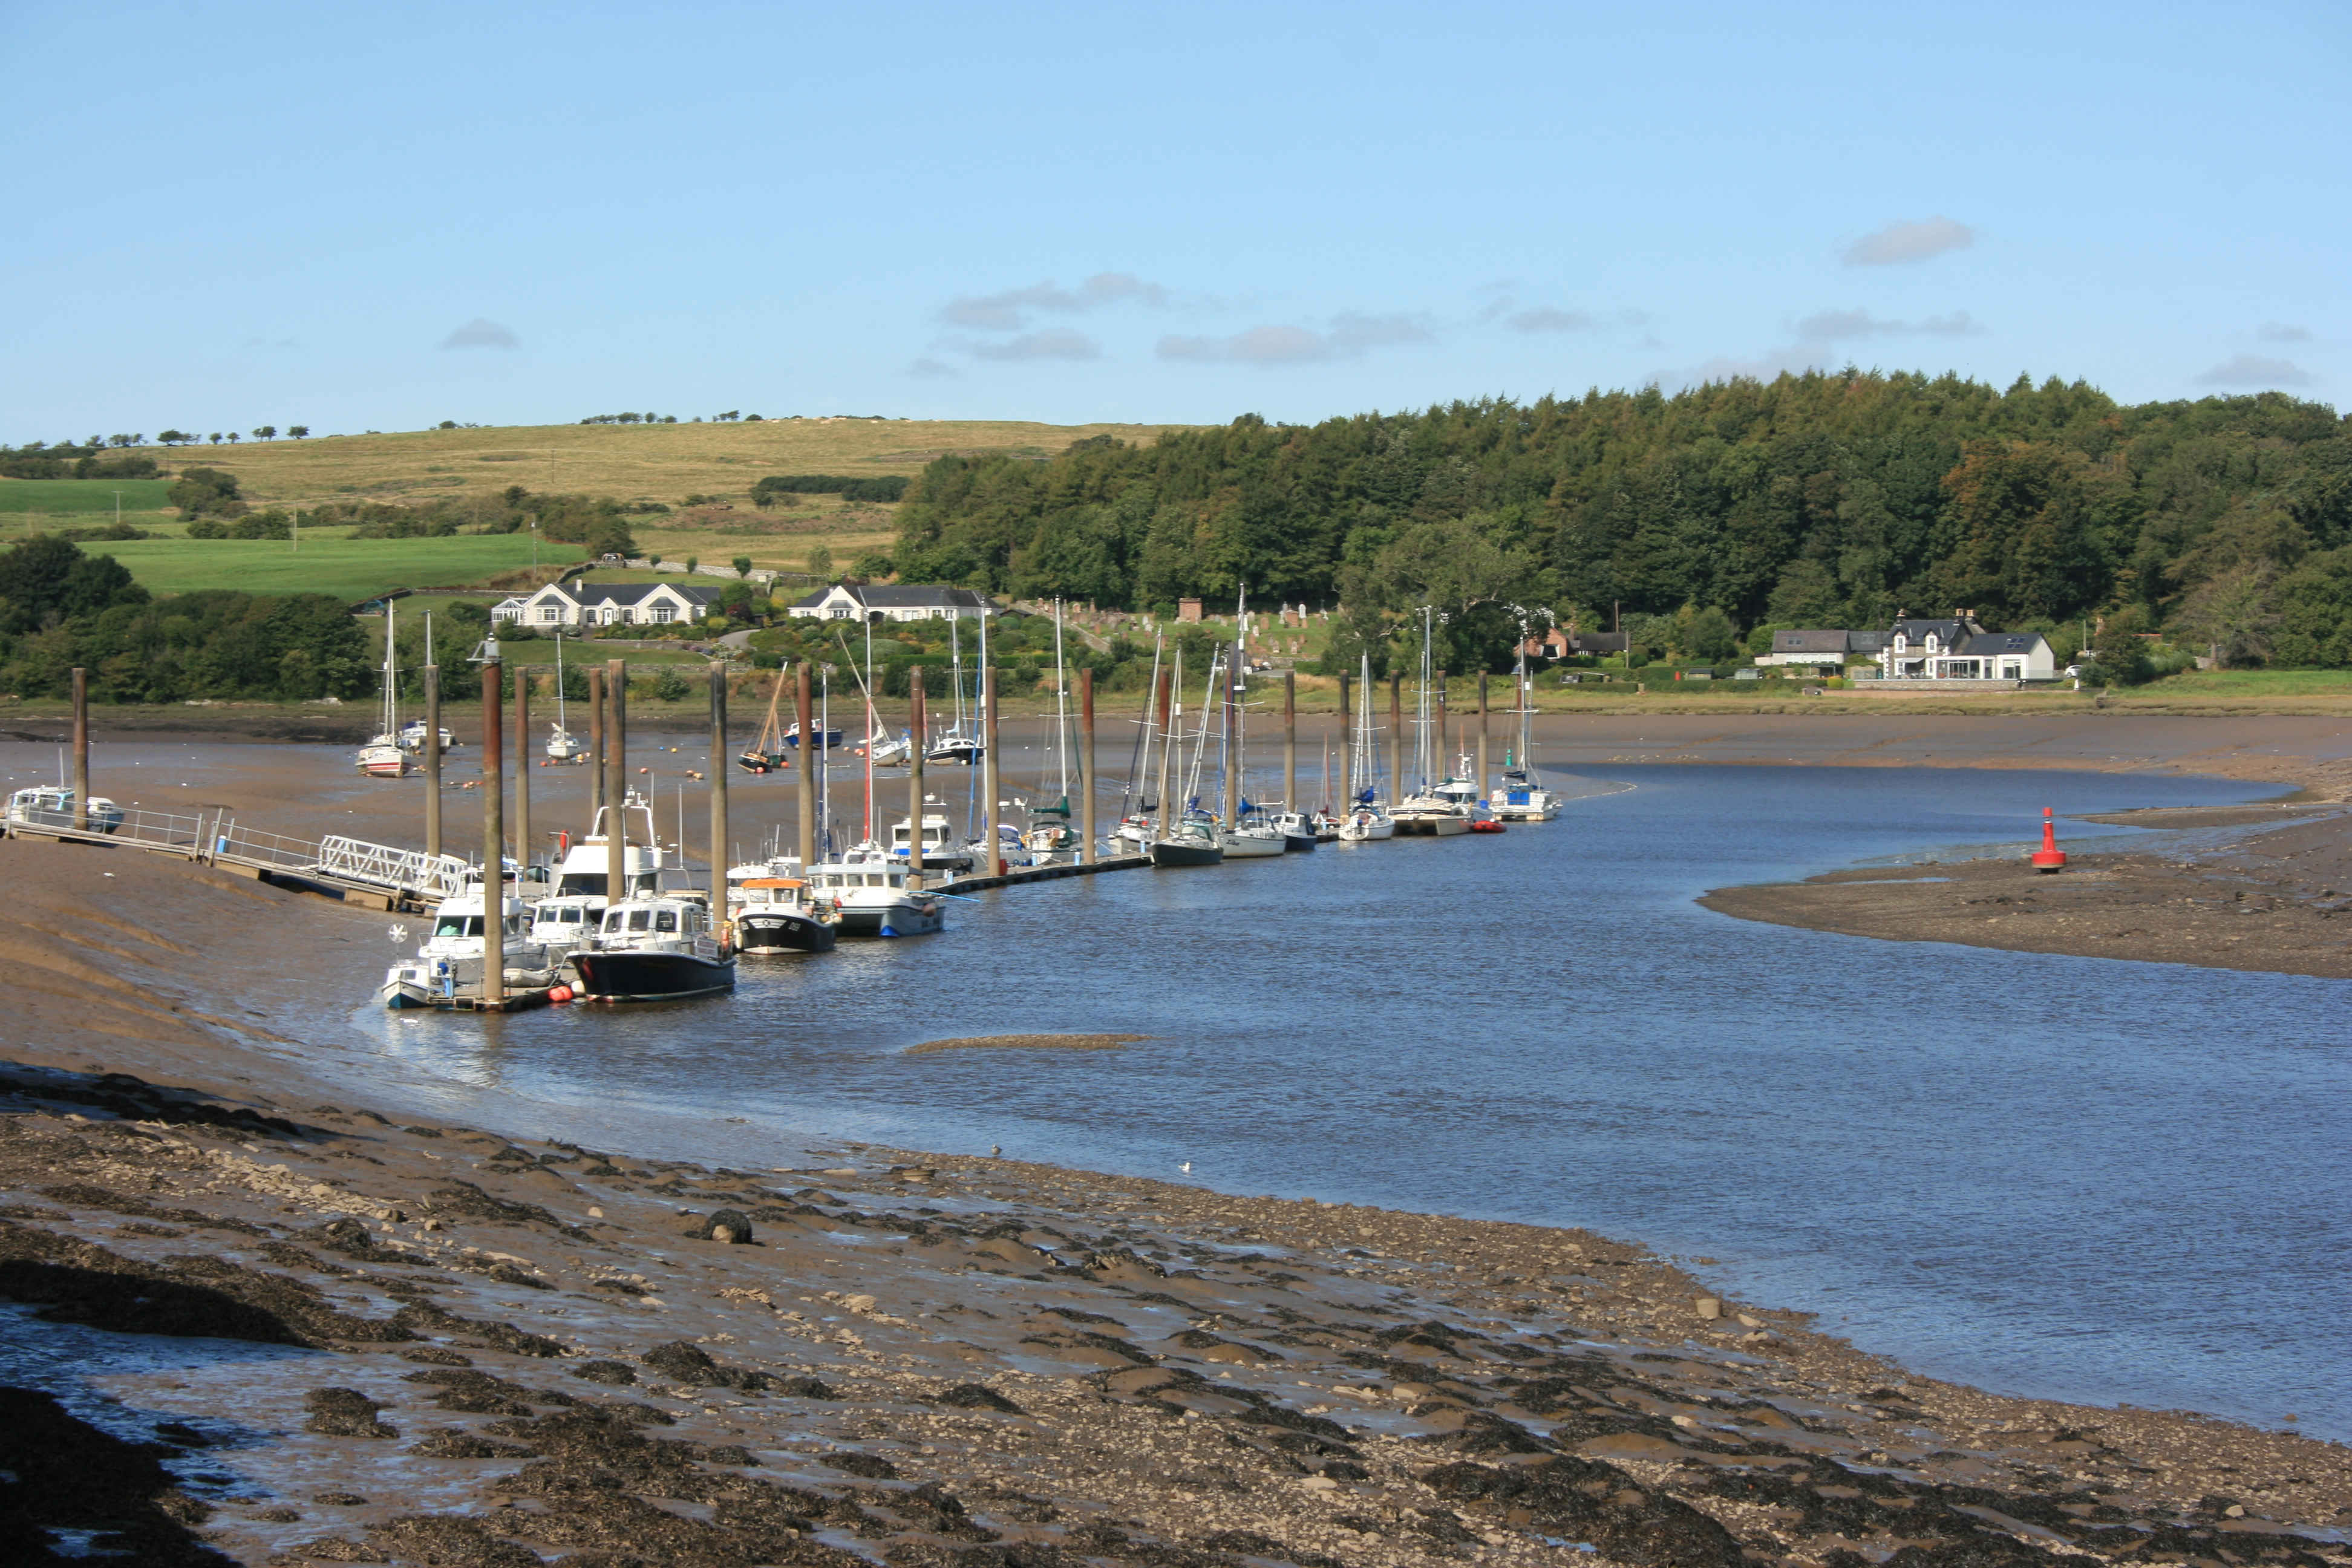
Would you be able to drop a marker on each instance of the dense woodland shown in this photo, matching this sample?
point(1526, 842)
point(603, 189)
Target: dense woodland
point(1819, 500)
point(61, 607)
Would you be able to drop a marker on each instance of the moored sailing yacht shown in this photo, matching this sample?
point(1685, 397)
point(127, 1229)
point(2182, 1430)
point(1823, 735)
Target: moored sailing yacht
point(562, 745)
point(654, 949)
point(382, 757)
point(1366, 819)
point(1521, 795)
point(1429, 809)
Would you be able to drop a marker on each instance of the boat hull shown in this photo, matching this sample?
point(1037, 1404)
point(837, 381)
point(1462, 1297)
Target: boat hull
point(1434, 827)
point(1354, 831)
point(651, 976)
point(904, 918)
point(773, 931)
point(1293, 843)
point(1248, 847)
point(1165, 854)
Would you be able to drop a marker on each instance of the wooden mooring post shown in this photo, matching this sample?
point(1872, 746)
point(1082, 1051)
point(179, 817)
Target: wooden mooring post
point(595, 741)
point(917, 742)
point(431, 754)
point(494, 836)
point(718, 855)
point(1088, 852)
point(811, 759)
point(81, 749)
point(617, 781)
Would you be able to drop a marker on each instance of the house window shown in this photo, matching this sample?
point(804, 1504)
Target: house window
point(548, 613)
point(839, 613)
point(663, 614)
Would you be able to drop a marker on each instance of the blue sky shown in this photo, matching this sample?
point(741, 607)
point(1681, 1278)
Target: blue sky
point(356, 217)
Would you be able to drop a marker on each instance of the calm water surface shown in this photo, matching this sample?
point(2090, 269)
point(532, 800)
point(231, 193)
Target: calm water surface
point(2069, 1177)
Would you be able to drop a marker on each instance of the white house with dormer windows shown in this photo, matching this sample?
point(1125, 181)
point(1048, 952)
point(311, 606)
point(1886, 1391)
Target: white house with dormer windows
point(1961, 649)
point(903, 601)
point(575, 607)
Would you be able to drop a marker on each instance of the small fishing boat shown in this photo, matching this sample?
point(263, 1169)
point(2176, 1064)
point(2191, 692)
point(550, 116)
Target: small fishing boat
point(564, 924)
point(872, 891)
point(450, 959)
point(955, 746)
point(52, 805)
point(776, 914)
point(827, 740)
point(657, 948)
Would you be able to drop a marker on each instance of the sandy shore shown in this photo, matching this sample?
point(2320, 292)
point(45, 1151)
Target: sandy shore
point(434, 1344)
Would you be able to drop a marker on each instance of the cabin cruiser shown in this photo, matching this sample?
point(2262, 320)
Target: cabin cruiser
point(564, 923)
point(871, 888)
point(1520, 798)
point(449, 960)
point(955, 746)
point(1298, 830)
point(941, 853)
point(655, 948)
point(52, 805)
point(411, 736)
point(777, 914)
point(827, 739)
point(584, 868)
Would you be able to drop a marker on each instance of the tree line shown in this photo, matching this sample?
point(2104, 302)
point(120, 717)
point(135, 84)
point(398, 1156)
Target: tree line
point(769, 491)
point(1822, 500)
point(60, 608)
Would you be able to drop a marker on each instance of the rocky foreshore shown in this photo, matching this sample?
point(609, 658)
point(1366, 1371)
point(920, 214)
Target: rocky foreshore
point(426, 1343)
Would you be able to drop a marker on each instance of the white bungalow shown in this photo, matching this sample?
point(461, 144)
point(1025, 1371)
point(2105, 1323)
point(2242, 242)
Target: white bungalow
point(905, 602)
point(570, 606)
point(1961, 649)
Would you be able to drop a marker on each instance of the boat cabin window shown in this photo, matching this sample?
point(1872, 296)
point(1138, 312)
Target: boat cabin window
point(581, 885)
point(665, 920)
point(457, 925)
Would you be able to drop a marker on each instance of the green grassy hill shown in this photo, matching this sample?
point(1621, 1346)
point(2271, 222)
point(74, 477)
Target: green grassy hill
point(350, 569)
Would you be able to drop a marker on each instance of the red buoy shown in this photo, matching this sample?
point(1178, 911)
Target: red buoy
point(561, 993)
point(2049, 858)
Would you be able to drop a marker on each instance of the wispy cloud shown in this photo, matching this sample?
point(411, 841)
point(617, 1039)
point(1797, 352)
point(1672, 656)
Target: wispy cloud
point(2257, 371)
point(1009, 310)
point(1544, 319)
point(930, 369)
point(1840, 326)
point(2282, 332)
point(1351, 335)
point(1899, 242)
point(480, 333)
point(1061, 345)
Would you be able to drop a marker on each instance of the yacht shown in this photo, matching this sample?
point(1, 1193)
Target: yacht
point(411, 736)
point(562, 745)
point(955, 746)
point(1190, 842)
point(52, 805)
point(1254, 838)
point(777, 914)
point(1051, 841)
point(449, 960)
point(941, 853)
point(1367, 822)
point(653, 949)
point(1432, 814)
point(382, 757)
point(884, 750)
point(870, 888)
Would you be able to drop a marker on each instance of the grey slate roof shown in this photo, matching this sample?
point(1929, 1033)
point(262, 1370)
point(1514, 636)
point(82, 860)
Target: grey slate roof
point(1836, 642)
point(901, 597)
point(635, 593)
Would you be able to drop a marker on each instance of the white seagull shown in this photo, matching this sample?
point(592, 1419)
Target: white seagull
point(1186, 1167)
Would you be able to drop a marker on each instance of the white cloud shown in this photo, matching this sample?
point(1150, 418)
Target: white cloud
point(2282, 332)
point(2256, 371)
point(1898, 243)
point(1837, 326)
point(1350, 336)
point(1009, 310)
point(928, 369)
point(479, 333)
point(1061, 345)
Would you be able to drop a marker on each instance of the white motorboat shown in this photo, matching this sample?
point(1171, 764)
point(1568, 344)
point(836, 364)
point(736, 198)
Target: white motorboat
point(1298, 830)
point(564, 924)
point(449, 960)
point(654, 949)
point(940, 852)
point(52, 805)
point(872, 891)
point(955, 746)
point(584, 865)
point(411, 737)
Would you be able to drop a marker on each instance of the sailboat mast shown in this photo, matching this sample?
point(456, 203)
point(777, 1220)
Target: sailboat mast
point(1061, 709)
point(872, 721)
point(1168, 746)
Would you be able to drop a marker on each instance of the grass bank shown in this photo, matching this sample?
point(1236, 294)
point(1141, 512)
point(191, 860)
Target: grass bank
point(347, 568)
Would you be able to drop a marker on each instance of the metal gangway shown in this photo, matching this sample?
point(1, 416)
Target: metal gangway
point(377, 873)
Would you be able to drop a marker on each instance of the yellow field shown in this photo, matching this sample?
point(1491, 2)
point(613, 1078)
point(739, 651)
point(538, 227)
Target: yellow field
point(630, 462)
